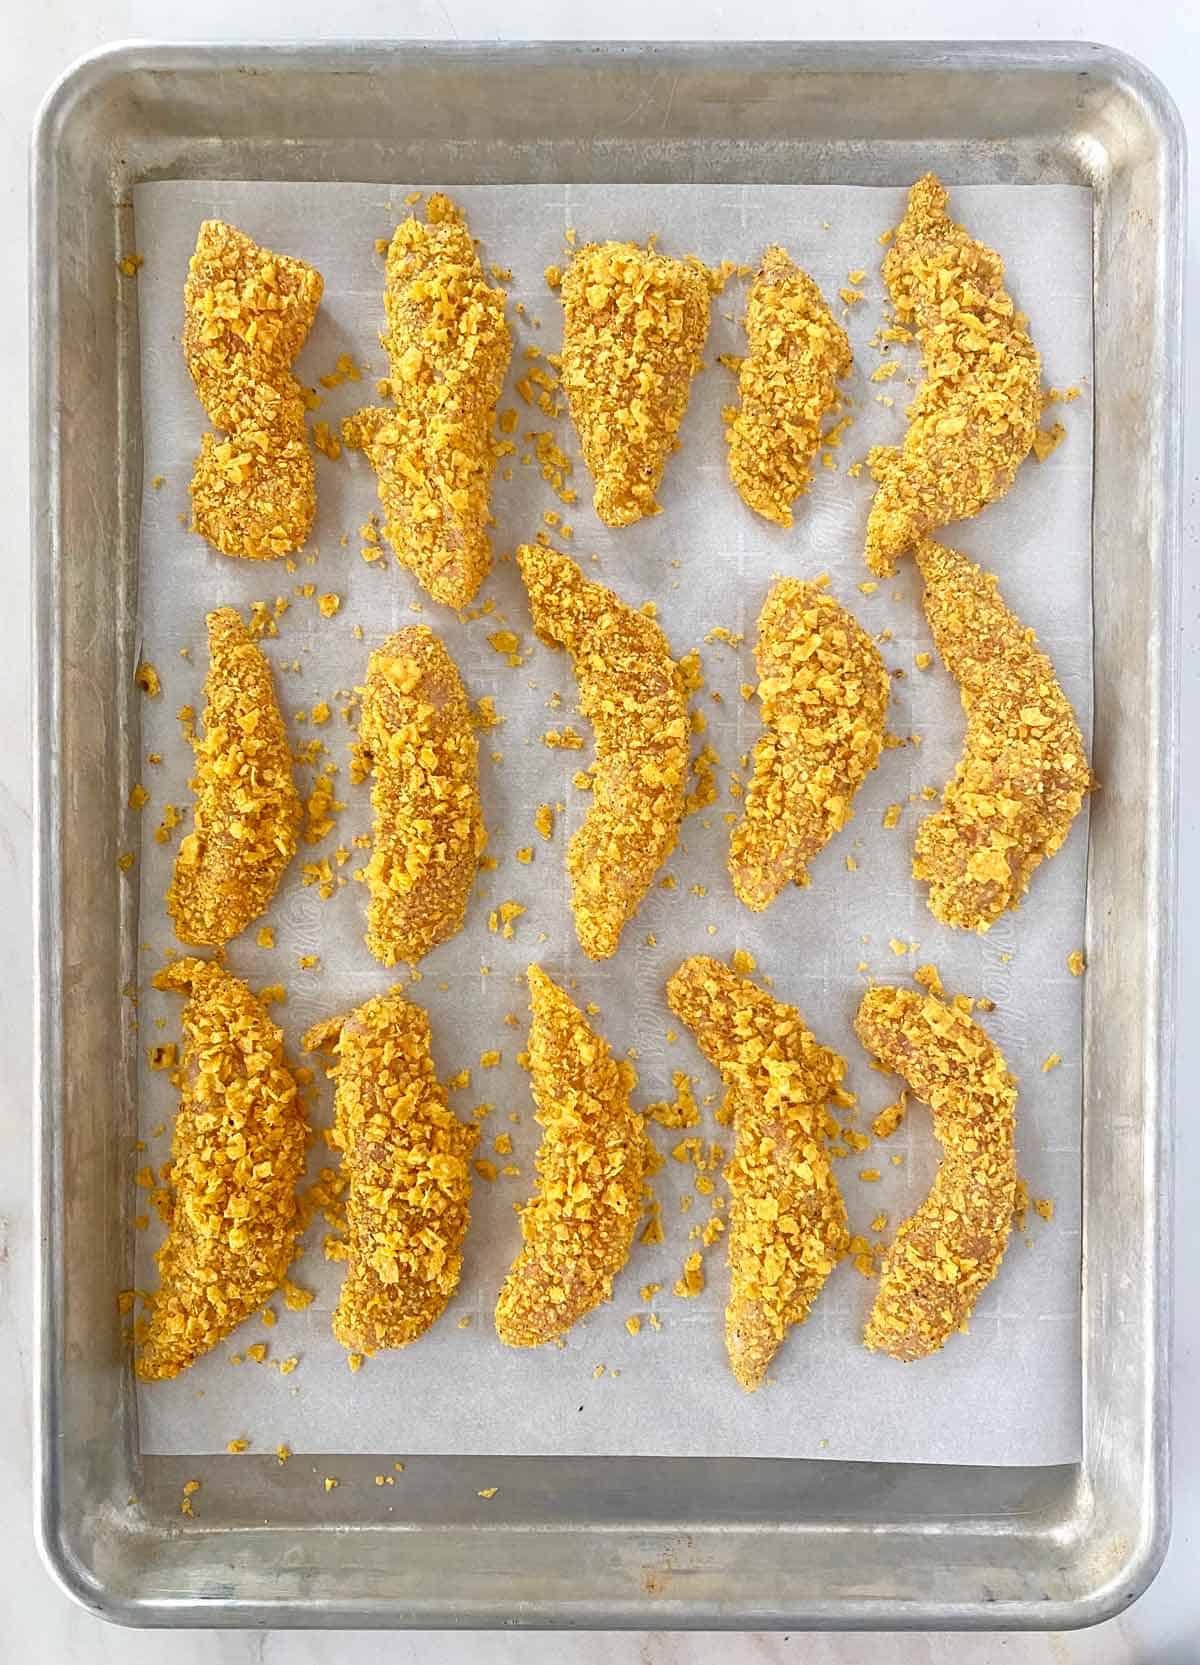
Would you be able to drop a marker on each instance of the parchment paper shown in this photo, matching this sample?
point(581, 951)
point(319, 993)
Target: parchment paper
point(1006, 1393)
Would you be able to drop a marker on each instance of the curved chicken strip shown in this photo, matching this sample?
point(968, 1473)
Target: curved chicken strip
point(1023, 774)
point(237, 1156)
point(406, 1154)
point(416, 735)
point(824, 695)
point(787, 1220)
point(578, 1230)
point(247, 312)
point(633, 694)
point(247, 808)
point(944, 1256)
point(787, 386)
point(448, 348)
point(975, 415)
point(634, 326)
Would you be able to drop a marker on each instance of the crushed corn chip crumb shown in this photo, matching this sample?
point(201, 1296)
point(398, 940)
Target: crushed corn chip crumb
point(691, 1283)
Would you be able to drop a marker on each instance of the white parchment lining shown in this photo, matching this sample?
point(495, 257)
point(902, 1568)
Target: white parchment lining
point(1008, 1393)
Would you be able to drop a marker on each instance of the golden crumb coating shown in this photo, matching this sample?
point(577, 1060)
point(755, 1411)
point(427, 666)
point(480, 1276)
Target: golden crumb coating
point(448, 348)
point(977, 410)
point(237, 1156)
point(578, 1229)
point(247, 810)
point(247, 312)
point(946, 1254)
point(633, 694)
point(1023, 773)
point(787, 1220)
point(634, 325)
point(416, 736)
point(823, 689)
point(787, 385)
point(406, 1156)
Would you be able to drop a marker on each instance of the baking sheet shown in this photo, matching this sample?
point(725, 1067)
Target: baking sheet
point(1008, 1393)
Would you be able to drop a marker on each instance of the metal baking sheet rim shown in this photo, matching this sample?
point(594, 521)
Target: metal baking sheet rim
point(1075, 1549)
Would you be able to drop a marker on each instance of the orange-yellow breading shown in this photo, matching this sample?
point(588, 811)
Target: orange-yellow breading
point(237, 1156)
point(416, 734)
point(578, 1229)
point(634, 325)
point(247, 312)
point(824, 694)
point(975, 415)
point(448, 348)
point(247, 809)
point(633, 693)
point(406, 1155)
point(1023, 774)
point(946, 1254)
point(787, 386)
point(787, 1220)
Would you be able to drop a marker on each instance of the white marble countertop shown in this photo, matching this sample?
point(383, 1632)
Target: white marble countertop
point(38, 40)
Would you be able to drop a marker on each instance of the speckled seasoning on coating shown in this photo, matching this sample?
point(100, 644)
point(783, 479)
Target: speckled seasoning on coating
point(823, 690)
point(633, 694)
point(1023, 774)
point(946, 1254)
point(407, 1156)
point(448, 349)
point(237, 1155)
point(247, 312)
point(977, 410)
point(578, 1229)
point(787, 1220)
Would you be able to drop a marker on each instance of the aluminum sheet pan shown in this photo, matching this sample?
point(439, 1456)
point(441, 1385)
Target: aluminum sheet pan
point(666, 1542)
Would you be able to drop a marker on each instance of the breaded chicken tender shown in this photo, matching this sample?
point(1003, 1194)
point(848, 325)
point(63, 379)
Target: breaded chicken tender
point(633, 694)
point(416, 736)
point(634, 326)
point(944, 1256)
point(1023, 773)
point(246, 808)
point(578, 1229)
point(823, 690)
point(787, 1220)
point(448, 347)
point(787, 386)
point(237, 1156)
point(406, 1154)
point(247, 312)
point(975, 415)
